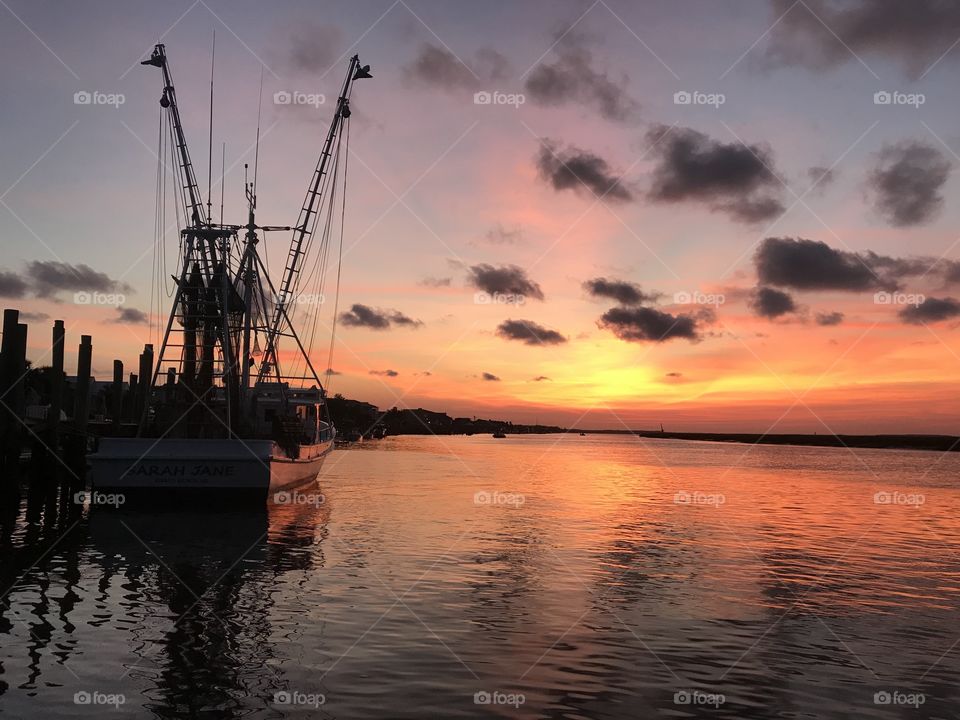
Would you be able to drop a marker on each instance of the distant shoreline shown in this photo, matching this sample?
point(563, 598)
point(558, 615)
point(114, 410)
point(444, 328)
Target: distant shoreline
point(941, 443)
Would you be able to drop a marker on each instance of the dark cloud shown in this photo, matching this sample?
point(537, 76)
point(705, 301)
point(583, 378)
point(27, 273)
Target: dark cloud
point(49, 277)
point(771, 303)
point(529, 332)
point(572, 78)
point(674, 374)
point(540, 378)
point(438, 67)
point(625, 293)
point(364, 316)
point(580, 171)
point(503, 280)
point(907, 183)
point(375, 318)
point(950, 270)
point(821, 176)
point(490, 377)
point(931, 310)
point(823, 33)
point(813, 265)
point(500, 235)
point(12, 285)
point(435, 282)
point(32, 316)
point(802, 264)
point(491, 65)
point(637, 324)
point(727, 177)
point(398, 318)
point(385, 373)
point(313, 48)
point(331, 371)
point(829, 318)
point(130, 316)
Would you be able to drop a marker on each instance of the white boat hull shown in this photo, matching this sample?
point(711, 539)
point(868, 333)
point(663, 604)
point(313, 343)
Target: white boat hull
point(242, 467)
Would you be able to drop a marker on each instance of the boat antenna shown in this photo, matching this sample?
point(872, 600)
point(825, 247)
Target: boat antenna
point(256, 152)
point(213, 53)
point(223, 172)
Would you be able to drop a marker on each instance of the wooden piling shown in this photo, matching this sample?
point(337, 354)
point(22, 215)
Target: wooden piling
point(56, 383)
point(8, 454)
point(117, 395)
point(14, 403)
point(131, 404)
point(171, 387)
point(143, 386)
point(10, 320)
point(81, 405)
point(19, 392)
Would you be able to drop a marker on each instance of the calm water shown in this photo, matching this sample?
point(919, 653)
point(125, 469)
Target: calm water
point(586, 577)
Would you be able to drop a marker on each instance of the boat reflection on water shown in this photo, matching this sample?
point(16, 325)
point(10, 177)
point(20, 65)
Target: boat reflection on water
point(192, 594)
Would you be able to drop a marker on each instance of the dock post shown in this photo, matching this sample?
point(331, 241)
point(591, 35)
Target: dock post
point(16, 399)
point(19, 392)
point(171, 387)
point(81, 406)
point(131, 404)
point(8, 459)
point(117, 395)
point(143, 385)
point(56, 389)
point(81, 414)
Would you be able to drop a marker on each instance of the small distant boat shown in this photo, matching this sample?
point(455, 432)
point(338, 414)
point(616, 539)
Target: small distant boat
point(499, 434)
point(350, 436)
point(583, 434)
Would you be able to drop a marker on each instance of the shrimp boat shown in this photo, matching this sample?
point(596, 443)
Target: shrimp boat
point(220, 413)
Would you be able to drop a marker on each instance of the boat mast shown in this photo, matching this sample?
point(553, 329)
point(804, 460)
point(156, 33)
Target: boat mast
point(248, 271)
point(205, 299)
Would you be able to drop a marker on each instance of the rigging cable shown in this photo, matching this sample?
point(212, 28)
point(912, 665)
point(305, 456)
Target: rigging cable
point(336, 297)
point(155, 265)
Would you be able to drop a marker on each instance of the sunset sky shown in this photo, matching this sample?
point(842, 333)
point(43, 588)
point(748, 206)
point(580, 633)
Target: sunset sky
point(781, 253)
